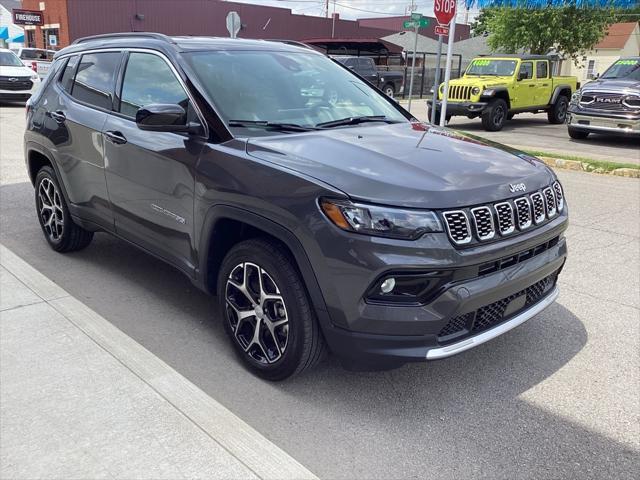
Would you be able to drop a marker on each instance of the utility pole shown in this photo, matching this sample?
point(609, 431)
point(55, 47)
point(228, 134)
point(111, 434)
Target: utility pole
point(326, 9)
point(333, 21)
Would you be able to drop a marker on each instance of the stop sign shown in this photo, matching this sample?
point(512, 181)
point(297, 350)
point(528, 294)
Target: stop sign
point(444, 10)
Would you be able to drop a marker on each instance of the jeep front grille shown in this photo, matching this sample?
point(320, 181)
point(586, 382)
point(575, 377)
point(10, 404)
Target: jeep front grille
point(506, 225)
point(538, 208)
point(459, 92)
point(523, 212)
point(458, 226)
point(557, 188)
point(550, 201)
point(485, 222)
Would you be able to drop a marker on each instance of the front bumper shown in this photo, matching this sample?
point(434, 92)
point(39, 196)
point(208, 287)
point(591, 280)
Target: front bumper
point(597, 122)
point(373, 336)
point(460, 108)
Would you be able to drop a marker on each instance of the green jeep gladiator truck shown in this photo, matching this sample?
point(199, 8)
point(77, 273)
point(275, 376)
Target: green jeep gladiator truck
point(497, 88)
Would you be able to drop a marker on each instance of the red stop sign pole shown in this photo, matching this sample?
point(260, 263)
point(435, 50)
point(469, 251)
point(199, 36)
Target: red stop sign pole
point(445, 13)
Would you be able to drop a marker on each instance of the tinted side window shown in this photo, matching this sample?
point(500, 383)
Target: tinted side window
point(542, 69)
point(95, 78)
point(366, 64)
point(66, 81)
point(526, 68)
point(148, 79)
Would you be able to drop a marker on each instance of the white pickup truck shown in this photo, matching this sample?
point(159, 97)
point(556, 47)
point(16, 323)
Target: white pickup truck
point(37, 59)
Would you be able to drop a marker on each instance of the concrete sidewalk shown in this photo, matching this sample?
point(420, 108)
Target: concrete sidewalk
point(80, 399)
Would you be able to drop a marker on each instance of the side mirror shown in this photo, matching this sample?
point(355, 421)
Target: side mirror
point(522, 76)
point(162, 117)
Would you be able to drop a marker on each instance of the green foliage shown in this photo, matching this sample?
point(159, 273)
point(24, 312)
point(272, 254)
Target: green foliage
point(571, 30)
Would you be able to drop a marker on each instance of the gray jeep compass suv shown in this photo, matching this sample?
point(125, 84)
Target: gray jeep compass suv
point(322, 214)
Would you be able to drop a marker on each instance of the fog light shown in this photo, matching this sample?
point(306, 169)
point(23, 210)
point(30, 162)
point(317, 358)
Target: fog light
point(388, 285)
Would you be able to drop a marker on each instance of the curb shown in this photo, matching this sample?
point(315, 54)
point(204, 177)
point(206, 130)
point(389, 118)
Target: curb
point(587, 167)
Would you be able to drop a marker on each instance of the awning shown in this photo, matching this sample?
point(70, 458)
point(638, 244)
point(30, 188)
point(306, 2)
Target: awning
point(4, 33)
point(18, 38)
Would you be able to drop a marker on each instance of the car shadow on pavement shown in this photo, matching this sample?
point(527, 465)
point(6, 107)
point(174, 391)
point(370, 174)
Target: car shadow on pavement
point(481, 413)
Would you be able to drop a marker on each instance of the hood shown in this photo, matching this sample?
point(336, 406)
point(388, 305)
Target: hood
point(8, 71)
point(411, 165)
point(612, 84)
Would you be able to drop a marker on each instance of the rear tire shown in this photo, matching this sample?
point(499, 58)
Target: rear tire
point(61, 233)
point(388, 90)
point(494, 115)
point(260, 288)
point(558, 112)
point(577, 134)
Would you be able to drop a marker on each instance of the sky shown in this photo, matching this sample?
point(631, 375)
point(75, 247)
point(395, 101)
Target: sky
point(353, 9)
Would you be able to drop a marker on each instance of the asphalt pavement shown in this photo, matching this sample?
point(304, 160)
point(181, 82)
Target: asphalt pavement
point(532, 131)
point(555, 398)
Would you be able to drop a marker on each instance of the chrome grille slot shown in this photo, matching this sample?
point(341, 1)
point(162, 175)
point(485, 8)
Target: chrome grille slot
point(458, 226)
point(538, 207)
point(483, 222)
point(550, 201)
point(523, 212)
point(506, 224)
point(557, 188)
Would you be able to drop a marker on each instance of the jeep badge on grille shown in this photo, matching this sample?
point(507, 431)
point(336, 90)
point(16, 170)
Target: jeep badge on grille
point(517, 187)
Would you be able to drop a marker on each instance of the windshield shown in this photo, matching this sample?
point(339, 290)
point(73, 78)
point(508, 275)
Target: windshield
point(9, 59)
point(625, 68)
point(293, 88)
point(483, 66)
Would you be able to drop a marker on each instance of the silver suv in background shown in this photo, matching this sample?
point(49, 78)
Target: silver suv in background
point(610, 104)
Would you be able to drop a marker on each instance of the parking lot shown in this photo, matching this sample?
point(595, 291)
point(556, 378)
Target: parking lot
point(555, 398)
point(532, 131)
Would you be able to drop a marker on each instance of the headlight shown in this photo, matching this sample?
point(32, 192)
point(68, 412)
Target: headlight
point(34, 76)
point(575, 97)
point(489, 92)
point(475, 90)
point(380, 221)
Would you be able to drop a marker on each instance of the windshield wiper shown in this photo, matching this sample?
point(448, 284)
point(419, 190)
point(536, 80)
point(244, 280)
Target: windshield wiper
point(355, 121)
point(292, 127)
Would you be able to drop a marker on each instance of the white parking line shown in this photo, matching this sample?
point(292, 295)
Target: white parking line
point(256, 452)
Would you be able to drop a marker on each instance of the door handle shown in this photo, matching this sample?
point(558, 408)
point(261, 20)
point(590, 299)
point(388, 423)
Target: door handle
point(58, 116)
point(531, 85)
point(115, 137)
point(545, 84)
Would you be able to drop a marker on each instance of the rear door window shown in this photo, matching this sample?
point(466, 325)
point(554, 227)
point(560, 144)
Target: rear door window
point(542, 69)
point(149, 79)
point(95, 79)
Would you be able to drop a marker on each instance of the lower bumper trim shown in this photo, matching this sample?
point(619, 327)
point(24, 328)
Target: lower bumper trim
point(468, 343)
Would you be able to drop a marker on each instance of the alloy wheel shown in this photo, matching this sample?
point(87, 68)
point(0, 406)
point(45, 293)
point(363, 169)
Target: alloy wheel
point(256, 313)
point(51, 211)
point(498, 116)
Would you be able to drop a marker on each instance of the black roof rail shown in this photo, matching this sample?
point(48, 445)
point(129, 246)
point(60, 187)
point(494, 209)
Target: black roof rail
point(107, 36)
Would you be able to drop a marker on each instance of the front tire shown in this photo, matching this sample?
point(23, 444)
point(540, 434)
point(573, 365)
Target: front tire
point(558, 112)
point(389, 90)
point(437, 117)
point(577, 134)
point(494, 115)
point(266, 311)
point(61, 233)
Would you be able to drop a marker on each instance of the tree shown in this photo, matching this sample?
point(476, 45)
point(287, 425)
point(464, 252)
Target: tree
point(570, 30)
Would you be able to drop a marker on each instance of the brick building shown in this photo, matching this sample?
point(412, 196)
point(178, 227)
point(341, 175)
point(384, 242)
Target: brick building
point(66, 20)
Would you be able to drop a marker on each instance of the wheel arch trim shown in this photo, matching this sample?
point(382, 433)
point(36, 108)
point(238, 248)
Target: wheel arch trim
point(558, 90)
point(228, 212)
